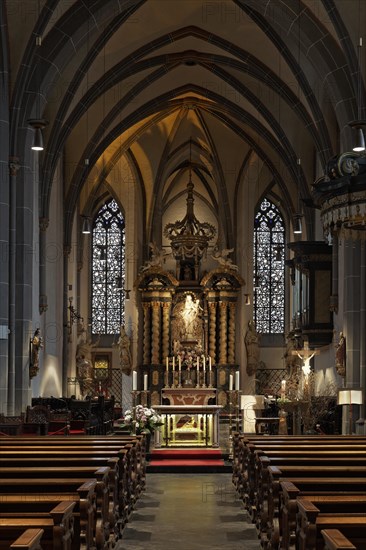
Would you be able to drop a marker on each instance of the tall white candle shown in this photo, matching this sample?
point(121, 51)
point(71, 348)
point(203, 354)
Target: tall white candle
point(145, 382)
point(283, 388)
point(237, 380)
point(198, 363)
point(231, 381)
point(173, 363)
point(204, 363)
point(167, 364)
point(179, 362)
point(134, 381)
point(209, 363)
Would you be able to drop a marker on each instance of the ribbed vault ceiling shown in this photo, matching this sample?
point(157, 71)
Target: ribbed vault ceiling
point(164, 87)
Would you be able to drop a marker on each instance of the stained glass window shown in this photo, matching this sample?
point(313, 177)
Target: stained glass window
point(269, 269)
point(108, 270)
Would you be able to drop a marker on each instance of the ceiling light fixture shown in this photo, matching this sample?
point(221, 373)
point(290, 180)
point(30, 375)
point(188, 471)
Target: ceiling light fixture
point(86, 228)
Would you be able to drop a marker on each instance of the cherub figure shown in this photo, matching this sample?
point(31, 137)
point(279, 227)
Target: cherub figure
point(221, 256)
point(158, 257)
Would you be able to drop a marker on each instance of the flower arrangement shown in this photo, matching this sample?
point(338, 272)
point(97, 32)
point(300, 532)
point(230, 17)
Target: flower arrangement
point(141, 420)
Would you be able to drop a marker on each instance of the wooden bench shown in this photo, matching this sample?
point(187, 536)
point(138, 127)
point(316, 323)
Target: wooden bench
point(54, 491)
point(330, 501)
point(29, 540)
point(271, 514)
point(57, 526)
point(311, 521)
point(335, 540)
point(131, 464)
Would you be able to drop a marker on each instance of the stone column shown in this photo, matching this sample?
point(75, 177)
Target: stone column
point(147, 341)
point(231, 335)
point(335, 259)
point(351, 320)
point(363, 325)
point(223, 333)
point(166, 324)
point(155, 354)
point(212, 331)
point(13, 170)
point(43, 224)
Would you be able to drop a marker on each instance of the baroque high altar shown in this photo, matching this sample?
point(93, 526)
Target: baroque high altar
point(189, 324)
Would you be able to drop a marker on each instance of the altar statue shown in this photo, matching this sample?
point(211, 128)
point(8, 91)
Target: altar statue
point(85, 375)
point(190, 314)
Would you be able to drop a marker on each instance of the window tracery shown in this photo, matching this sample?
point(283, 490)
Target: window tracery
point(108, 270)
point(269, 269)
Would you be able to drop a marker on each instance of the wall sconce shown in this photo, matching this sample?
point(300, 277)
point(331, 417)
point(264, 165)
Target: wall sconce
point(74, 317)
point(121, 289)
point(359, 144)
point(37, 125)
point(297, 224)
point(247, 299)
point(86, 228)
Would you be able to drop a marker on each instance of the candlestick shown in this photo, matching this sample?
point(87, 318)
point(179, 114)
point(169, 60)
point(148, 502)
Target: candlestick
point(237, 380)
point(145, 382)
point(198, 362)
point(204, 363)
point(209, 363)
point(167, 364)
point(173, 363)
point(231, 382)
point(134, 381)
point(179, 362)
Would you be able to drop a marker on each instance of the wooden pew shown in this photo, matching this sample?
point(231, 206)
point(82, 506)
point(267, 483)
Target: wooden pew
point(335, 540)
point(331, 500)
point(311, 521)
point(53, 491)
point(57, 526)
point(131, 463)
point(29, 540)
point(45, 474)
point(269, 524)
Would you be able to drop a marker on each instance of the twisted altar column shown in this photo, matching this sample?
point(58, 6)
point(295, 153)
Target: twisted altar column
point(223, 333)
point(155, 352)
point(212, 331)
point(165, 338)
point(231, 336)
point(147, 341)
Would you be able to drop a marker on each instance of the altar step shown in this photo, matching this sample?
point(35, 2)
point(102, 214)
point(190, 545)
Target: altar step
point(187, 461)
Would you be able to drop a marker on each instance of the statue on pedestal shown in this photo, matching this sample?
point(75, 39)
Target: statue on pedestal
point(341, 355)
point(125, 356)
point(36, 344)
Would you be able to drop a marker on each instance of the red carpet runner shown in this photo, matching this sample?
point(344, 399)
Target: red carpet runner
point(187, 460)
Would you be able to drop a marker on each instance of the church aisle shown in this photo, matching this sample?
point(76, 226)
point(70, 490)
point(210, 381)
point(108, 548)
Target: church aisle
point(189, 512)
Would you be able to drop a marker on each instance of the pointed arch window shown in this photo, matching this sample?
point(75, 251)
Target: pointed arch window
point(108, 270)
point(269, 269)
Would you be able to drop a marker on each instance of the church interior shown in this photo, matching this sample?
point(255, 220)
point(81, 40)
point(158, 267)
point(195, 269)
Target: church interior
point(182, 228)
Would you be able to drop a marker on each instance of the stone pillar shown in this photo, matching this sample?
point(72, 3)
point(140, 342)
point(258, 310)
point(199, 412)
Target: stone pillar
point(231, 336)
point(66, 338)
point(155, 352)
point(223, 333)
point(363, 324)
point(166, 324)
point(13, 170)
point(335, 259)
point(43, 224)
point(212, 331)
point(147, 340)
